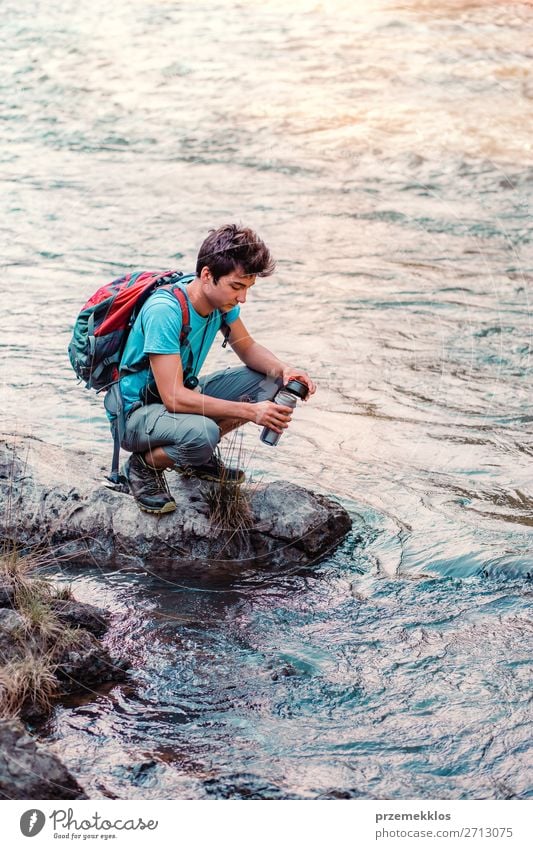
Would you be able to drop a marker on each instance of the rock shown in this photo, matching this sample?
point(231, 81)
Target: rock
point(87, 663)
point(11, 622)
point(29, 771)
point(57, 495)
point(77, 660)
point(12, 629)
point(7, 593)
point(78, 614)
point(244, 786)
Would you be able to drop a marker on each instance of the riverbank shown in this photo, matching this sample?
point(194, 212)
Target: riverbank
point(50, 647)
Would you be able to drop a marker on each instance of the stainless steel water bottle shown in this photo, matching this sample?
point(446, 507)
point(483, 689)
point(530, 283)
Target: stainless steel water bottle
point(287, 396)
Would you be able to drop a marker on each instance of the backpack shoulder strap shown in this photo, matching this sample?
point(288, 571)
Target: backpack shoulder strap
point(181, 297)
point(187, 357)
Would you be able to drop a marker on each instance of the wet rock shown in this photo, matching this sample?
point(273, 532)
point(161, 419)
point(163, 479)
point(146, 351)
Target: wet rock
point(244, 786)
point(73, 658)
point(144, 774)
point(29, 771)
point(57, 495)
point(87, 663)
point(78, 614)
point(349, 793)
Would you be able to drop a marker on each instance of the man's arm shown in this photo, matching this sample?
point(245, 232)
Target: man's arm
point(168, 375)
point(259, 358)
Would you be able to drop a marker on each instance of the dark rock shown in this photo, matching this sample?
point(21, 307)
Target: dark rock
point(87, 663)
point(83, 663)
point(7, 594)
point(29, 771)
point(78, 614)
point(349, 793)
point(144, 774)
point(244, 786)
point(57, 494)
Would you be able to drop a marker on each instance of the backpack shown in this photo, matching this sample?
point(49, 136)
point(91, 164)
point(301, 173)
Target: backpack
point(103, 324)
point(102, 329)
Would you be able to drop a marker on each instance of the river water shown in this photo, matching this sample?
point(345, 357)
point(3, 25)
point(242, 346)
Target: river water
point(383, 150)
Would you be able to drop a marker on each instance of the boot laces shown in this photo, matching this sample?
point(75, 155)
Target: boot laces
point(154, 480)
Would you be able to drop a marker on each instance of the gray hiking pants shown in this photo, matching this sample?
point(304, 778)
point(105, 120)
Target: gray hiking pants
point(190, 438)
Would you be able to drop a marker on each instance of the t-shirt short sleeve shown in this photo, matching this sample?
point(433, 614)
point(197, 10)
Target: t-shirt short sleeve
point(161, 322)
point(233, 314)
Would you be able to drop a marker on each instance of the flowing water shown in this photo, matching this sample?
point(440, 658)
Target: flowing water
point(384, 152)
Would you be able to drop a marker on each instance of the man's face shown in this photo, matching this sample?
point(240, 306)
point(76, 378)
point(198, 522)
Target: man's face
point(231, 289)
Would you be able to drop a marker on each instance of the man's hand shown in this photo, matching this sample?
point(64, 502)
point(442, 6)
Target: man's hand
point(290, 372)
point(268, 414)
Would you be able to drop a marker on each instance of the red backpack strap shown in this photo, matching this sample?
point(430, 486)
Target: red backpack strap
point(181, 297)
point(186, 351)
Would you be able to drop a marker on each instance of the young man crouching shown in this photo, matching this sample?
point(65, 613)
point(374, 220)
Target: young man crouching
point(172, 424)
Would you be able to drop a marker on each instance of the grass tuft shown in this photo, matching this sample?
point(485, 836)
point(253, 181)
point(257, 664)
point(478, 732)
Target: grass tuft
point(29, 681)
point(229, 502)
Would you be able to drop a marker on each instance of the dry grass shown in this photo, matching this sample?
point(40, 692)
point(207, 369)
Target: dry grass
point(20, 567)
point(33, 602)
point(29, 681)
point(229, 502)
point(13, 565)
point(229, 506)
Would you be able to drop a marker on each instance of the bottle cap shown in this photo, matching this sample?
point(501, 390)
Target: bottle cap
point(297, 388)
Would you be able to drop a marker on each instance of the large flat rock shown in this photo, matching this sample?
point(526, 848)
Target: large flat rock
point(56, 497)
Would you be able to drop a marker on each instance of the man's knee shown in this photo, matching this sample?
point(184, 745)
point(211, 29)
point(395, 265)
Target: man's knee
point(267, 387)
point(240, 383)
point(202, 440)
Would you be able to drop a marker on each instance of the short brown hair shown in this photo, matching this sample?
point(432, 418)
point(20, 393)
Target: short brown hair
point(233, 246)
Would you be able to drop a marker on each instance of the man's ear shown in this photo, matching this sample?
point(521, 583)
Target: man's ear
point(206, 276)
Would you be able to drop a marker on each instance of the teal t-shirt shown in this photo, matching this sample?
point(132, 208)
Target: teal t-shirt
point(157, 331)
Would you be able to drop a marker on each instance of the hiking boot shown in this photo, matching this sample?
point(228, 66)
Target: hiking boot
point(148, 486)
point(213, 470)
